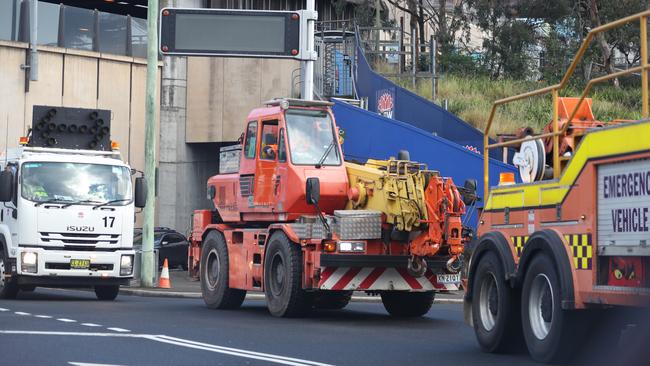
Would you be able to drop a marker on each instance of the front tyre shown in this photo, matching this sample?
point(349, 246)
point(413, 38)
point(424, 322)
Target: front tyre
point(215, 274)
point(107, 292)
point(407, 304)
point(283, 278)
point(494, 307)
point(8, 286)
point(550, 332)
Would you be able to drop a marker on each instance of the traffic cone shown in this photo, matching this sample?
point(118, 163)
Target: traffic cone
point(164, 276)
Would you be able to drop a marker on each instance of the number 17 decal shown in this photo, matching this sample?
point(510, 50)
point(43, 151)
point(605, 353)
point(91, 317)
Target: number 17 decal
point(109, 221)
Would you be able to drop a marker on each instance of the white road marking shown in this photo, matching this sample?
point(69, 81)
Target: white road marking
point(183, 343)
point(91, 324)
point(3, 309)
point(66, 320)
point(121, 330)
point(21, 313)
point(44, 316)
point(89, 364)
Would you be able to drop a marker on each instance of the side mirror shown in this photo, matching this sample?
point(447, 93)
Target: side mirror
point(6, 186)
point(312, 191)
point(140, 192)
point(469, 192)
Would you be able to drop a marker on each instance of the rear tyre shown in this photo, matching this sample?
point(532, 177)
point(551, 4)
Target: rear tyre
point(283, 278)
point(332, 300)
point(107, 293)
point(495, 310)
point(215, 273)
point(407, 304)
point(8, 286)
point(551, 333)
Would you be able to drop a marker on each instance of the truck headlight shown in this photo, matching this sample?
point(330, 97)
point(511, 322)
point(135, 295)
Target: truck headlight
point(354, 246)
point(126, 265)
point(29, 262)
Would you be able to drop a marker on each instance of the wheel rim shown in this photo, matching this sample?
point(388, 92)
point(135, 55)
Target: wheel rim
point(540, 306)
point(212, 269)
point(277, 275)
point(2, 273)
point(489, 302)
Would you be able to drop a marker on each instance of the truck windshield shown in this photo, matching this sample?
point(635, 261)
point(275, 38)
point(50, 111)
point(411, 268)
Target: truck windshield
point(310, 134)
point(75, 182)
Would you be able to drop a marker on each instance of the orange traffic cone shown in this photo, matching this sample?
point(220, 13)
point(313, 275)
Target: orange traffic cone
point(164, 276)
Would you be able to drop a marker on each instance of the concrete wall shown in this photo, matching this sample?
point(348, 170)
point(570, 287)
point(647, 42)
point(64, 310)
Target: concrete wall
point(74, 78)
point(221, 92)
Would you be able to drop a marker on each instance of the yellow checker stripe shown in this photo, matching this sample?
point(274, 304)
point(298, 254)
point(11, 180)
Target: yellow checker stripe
point(594, 145)
point(518, 242)
point(581, 249)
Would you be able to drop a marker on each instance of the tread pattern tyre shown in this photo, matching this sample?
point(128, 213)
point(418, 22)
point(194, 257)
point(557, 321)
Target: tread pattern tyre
point(8, 287)
point(407, 304)
point(551, 333)
point(283, 278)
point(107, 293)
point(215, 274)
point(332, 300)
point(495, 307)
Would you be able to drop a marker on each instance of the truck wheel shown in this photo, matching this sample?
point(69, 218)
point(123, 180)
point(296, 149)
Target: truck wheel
point(550, 332)
point(407, 304)
point(495, 311)
point(283, 278)
point(332, 300)
point(214, 275)
point(8, 286)
point(107, 293)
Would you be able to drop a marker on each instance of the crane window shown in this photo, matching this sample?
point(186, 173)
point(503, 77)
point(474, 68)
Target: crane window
point(251, 140)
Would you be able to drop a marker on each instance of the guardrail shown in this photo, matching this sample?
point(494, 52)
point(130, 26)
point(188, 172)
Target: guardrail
point(554, 91)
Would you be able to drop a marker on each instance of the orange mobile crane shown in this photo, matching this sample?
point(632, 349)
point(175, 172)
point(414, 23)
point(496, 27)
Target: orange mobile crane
point(293, 220)
point(574, 235)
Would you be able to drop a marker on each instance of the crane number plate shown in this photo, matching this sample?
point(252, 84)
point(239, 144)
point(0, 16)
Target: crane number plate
point(448, 279)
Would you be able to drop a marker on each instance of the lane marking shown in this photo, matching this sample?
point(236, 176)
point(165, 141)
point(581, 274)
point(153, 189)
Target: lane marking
point(21, 313)
point(183, 343)
point(89, 364)
point(215, 348)
point(65, 320)
point(91, 325)
point(44, 316)
point(122, 330)
point(3, 309)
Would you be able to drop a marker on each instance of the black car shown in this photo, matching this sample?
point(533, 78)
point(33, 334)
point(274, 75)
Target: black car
point(170, 244)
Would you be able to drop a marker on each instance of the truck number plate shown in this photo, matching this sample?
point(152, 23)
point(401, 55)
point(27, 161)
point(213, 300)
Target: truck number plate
point(448, 279)
point(79, 263)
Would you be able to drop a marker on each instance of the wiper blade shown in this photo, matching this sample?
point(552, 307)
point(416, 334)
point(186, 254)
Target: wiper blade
point(326, 154)
point(79, 202)
point(109, 202)
point(51, 200)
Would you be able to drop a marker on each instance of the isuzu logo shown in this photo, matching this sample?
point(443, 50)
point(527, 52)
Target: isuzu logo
point(80, 228)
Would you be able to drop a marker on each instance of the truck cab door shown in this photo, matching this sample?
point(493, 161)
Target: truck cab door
point(266, 165)
point(9, 212)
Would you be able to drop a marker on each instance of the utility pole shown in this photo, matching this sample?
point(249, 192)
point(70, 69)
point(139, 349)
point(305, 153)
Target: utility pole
point(33, 40)
point(147, 265)
point(308, 65)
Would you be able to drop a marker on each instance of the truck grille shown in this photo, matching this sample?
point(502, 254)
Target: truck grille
point(79, 239)
point(93, 266)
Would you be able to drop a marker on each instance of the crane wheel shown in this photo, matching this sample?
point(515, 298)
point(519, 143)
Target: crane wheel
point(495, 308)
point(407, 304)
point(552, 334)
point(8, 287)
point(332, 300)
point(214, 275)
point(283, 278)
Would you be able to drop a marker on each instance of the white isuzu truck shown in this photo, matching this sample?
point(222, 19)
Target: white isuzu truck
point(67, 205)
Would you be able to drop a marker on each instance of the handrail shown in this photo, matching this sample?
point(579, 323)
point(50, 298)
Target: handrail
point(554, 90)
